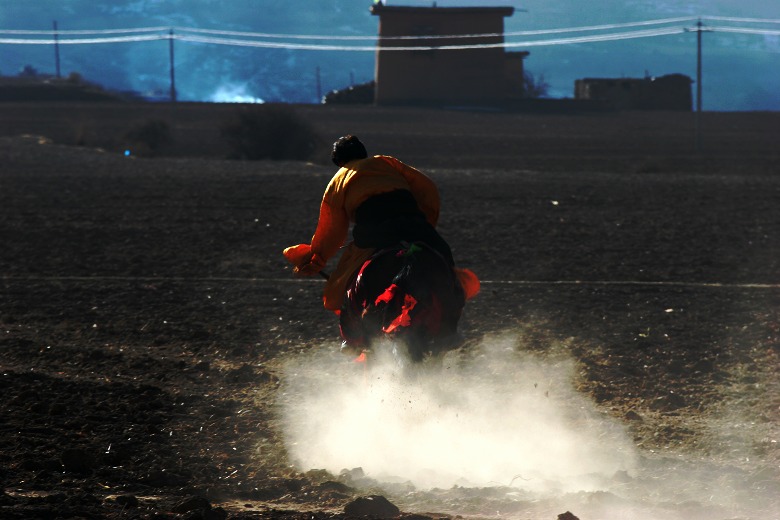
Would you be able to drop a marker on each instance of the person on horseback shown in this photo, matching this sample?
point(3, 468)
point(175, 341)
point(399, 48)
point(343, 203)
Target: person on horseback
point(388, 202)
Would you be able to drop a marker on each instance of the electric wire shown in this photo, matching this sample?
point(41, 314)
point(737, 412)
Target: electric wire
point(745, 30)
point(436, 36)
point(362, 48)
point(85, 41)
point(359, 48)
point(250, 34)
point(239, 38)
point(740, 20)
point(84, 31)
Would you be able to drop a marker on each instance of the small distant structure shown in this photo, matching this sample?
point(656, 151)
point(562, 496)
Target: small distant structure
point(425, 75)
point(670, 92)
point(362, 94)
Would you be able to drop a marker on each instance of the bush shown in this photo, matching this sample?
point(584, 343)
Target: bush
point(75, 78)
point(271, 131)
point(148, 137)
point(28, 72)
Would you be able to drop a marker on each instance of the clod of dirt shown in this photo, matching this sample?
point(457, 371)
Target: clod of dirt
point(631, 415)
point(375, 506)
point(567, 516)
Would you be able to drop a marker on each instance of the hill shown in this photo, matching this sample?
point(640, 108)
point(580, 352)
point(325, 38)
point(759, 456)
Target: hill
point(579, 141)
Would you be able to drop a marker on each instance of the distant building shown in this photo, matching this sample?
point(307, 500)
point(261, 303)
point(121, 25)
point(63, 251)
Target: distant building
point(476, 76)
point(671, 92)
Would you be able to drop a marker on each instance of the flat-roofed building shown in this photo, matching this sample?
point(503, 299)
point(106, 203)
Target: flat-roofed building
point(670, 92)
point(479, 71)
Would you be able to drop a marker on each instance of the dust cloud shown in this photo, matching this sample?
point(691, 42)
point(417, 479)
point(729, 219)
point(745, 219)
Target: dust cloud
point(497, 431)
point(499, 417)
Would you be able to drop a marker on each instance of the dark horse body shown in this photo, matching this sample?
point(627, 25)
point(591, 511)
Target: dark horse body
point(407, 293)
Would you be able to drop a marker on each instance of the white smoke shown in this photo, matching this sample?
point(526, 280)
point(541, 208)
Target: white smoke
point(501, 417)
point(233, 93)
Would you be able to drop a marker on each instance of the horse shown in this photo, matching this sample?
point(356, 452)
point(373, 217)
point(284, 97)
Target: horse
point(408, 294)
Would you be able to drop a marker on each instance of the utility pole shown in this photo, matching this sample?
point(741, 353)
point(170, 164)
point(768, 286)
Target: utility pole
point(319, 86)
point(697, 115)
point(698, 66)
point(56, 49)
point(698, 86)
point(173, 73)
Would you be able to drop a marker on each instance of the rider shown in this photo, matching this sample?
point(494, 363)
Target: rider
point(388, 202)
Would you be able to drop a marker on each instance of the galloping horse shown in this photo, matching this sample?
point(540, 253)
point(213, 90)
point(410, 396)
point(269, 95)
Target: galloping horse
point(407, 293)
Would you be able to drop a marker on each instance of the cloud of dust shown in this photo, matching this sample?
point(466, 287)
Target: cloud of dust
point(500, 417)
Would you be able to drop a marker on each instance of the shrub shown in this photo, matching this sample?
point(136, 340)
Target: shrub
point(75, 78)
point(28, 71)
point(148, 137)
point(270, 131)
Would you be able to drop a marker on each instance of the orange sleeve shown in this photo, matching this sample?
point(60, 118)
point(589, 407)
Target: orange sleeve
point(333, 224)
point(331, 232)
point(422, 187)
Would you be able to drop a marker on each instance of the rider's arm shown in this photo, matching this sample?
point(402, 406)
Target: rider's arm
point(332, 229)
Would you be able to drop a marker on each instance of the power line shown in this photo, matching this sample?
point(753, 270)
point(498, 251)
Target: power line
point(599, 37)
point(745, 30)
point(372, 48)
point(740, 20)
point(242, 34)
point(218, 32)
point(84, 31)
point(601, 27)
point(438, 36)
point(83, 41)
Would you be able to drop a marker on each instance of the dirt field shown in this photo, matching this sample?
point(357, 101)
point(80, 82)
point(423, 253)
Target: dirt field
point(155, 349)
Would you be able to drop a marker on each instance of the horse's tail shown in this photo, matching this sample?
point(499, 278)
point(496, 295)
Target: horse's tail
point(408, 292)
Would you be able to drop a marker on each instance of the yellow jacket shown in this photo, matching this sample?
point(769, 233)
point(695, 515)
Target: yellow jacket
point(357, 181)
point(348, 189)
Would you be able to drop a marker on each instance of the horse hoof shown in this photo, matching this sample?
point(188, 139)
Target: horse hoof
point(350, 349)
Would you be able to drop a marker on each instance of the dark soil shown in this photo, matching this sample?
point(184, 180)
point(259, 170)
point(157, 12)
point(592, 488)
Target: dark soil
point(146, 311)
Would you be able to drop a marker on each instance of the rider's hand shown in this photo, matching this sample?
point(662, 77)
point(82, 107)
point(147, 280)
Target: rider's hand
point(312, 265)
point(305, 270)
